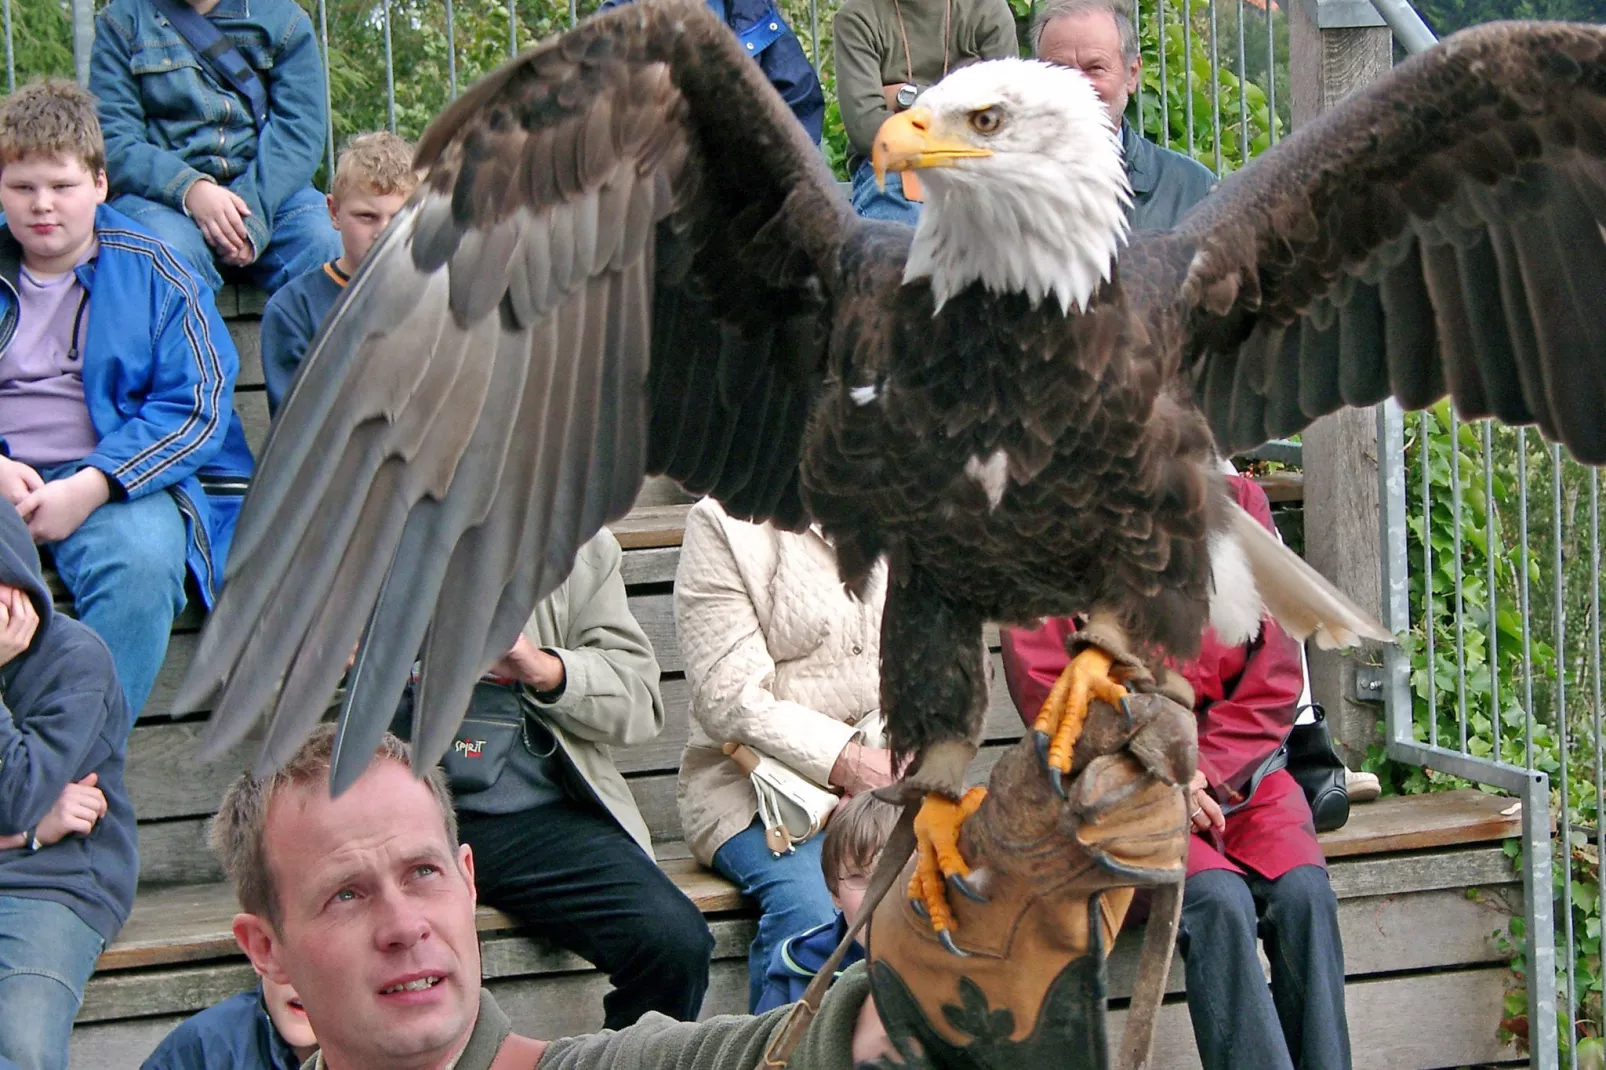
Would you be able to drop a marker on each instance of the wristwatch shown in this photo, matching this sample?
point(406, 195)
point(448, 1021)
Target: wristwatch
point(906, 95)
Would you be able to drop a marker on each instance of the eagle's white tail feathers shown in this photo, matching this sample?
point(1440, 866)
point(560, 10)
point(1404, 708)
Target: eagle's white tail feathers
point(1300, 598)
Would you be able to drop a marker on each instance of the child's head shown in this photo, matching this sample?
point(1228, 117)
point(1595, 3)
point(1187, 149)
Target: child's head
point(52, 171)
point(854, 837)
point(289, 1017)
point(373, 180)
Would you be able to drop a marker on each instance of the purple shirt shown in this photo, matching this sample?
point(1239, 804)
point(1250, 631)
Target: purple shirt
point(43, 417)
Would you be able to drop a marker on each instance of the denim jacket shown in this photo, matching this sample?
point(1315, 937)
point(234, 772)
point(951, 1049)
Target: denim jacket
point(168, 120)
point(159, 370)
point(766, 37)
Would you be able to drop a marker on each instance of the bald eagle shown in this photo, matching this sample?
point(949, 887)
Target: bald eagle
point(627, 258)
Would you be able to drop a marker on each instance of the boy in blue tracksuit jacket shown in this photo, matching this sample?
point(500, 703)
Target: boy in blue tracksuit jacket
point(68, 854)
point(854, 838)
point(766, 37)
point(184, 153)
point(119, 443)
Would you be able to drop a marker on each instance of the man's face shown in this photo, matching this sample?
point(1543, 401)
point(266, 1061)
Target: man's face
point(376, 927)
point(50, 201)
point(1090, 42)
point(361, 218)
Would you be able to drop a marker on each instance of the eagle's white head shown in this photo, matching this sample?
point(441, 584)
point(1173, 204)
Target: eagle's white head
point(1024, 181)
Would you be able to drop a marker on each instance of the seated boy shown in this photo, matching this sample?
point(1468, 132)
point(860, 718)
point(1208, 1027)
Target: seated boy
point(854, 838)
point(68, 858)
point(262, 1028)
point(119, 444)
point(372, 182)
point(222, 178)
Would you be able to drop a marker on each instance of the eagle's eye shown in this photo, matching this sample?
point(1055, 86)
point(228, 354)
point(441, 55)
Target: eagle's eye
point(987, 120)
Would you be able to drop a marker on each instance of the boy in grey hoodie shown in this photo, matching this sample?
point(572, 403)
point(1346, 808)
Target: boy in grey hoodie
point(68, 855)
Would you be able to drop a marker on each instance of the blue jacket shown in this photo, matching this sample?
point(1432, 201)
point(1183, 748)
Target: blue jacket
point(167, 119)
point(236, 1034)
point(159, 370)
point(1165, 183)
point(62, 717)
point(794, 964)
point(769, 40)
point(290, 322)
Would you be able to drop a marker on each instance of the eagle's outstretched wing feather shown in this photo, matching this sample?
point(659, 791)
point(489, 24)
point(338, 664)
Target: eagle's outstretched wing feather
point(1438, 231)
point(569, 303)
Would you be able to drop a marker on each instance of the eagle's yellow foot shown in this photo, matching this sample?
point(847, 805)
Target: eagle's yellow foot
point(938, 863)
point(1059, 723)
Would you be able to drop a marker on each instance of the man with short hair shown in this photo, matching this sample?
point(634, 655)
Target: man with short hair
point(365, 904)
point(1097, 38)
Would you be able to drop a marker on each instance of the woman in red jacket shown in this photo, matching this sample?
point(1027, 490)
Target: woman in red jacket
point(1254, 866)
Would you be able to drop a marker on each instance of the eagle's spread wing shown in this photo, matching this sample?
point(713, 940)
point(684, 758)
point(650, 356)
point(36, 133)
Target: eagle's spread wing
point(621, 262)
point(1439, 231)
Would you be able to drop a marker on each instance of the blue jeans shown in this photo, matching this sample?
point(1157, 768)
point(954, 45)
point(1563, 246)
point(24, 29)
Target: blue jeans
point(890, 203)
point(302, 239)
point(125, 567)
point(46, 955)
point(790, 891)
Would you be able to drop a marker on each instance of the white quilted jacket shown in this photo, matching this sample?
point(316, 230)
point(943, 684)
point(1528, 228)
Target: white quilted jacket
point(778, 656)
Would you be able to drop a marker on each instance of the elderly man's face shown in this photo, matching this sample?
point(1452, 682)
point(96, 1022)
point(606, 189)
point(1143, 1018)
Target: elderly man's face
point(376, 928)
point(1091, 42)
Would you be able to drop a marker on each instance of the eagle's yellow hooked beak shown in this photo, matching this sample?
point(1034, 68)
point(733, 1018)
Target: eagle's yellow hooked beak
point(907, 142)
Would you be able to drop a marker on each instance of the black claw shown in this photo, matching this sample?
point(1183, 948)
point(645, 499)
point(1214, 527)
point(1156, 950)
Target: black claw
point(1042, 741)
point(919, 907)
point(1126, 711)
point(1057, 778)
point(948, 942)
point(959, 884)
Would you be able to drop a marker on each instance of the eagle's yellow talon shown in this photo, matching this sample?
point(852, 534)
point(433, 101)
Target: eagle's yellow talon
point(1059, 723)
point(938, 858)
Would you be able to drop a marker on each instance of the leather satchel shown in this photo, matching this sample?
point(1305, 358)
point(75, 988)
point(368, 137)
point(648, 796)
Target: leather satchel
point(1315, 764)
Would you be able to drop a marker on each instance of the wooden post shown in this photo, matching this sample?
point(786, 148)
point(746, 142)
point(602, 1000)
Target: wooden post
point(1335, 46)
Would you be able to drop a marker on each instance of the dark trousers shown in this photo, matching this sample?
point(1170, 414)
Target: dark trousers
point(1237, 1023)
point(568, 872)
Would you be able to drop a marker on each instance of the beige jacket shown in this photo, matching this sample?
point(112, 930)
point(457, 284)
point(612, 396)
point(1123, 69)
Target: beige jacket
point(610, 696)
point(779, 656)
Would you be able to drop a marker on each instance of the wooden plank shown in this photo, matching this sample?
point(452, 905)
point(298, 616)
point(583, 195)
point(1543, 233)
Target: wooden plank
point(1381, 934)
point(119, 1045)
point(176, 852)
point(1415, 1022)
point(1462, 867)
point(1411, 822)
point(1284, 486)
point(653, 525)
point(650, 564)
point(247, 338)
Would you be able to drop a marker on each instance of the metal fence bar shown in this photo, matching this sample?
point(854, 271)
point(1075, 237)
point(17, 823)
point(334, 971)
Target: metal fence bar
point(1409, 30)
point(1522, 589)
point(1559, 607)
point(1271, 72)
point(1594, 676)
point(83, 38)
point(1215, 89)
point(1460, 614)
point(1137, 23)
point(512, 30)
point(1243, 82)
point(1423, 439)
point(1165, 80)
point(390, 75)
point(1491, 557)
point(451, 49)
point(11, 55)
point(328, 98)
point(1187, 69)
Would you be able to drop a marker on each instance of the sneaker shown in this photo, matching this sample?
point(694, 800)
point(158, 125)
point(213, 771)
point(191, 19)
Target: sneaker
point(1361, 787)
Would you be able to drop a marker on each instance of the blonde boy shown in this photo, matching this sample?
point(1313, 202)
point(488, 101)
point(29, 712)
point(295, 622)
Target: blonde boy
point(373, 180)
point(857, 833)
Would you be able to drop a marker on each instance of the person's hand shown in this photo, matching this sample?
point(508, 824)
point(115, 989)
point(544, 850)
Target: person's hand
point(57, 508)
point(17, 480)
point(77, 809)
point(531, 665)
point(221, 214)
point(1203, 809)
point(859, 768)
point(19, 620)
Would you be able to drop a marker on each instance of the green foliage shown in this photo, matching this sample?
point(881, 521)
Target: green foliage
point(1179, 107)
